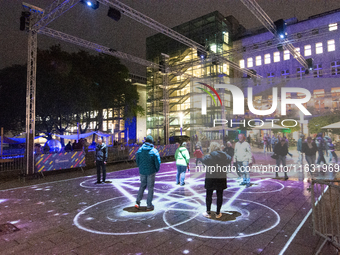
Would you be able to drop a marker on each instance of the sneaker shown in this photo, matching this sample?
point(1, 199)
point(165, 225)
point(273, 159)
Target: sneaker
point(243, 183)
point(137, 205)
point(183, 184)
point(286, 177)
point(207, 214)
point(98, 183)
point(218, 215)
point(247, 185)
point(150, 208)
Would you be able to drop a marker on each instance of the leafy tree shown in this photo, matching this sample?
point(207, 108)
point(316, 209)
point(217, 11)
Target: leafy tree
point(315, 124)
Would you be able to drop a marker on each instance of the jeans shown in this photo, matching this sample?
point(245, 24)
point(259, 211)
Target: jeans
point(310, 160)
point(264, 147)
point(101, 165)
point(281, 159)
point(180, 174)
point(242, 167)
point(208, 199)
point(300, 158)
point(146, 181)
point(321, 158)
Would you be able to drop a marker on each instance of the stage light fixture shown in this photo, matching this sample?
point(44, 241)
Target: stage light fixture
point(90, 3)
point(114, 14)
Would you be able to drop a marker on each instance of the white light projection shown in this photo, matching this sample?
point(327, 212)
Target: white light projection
point(178, 208)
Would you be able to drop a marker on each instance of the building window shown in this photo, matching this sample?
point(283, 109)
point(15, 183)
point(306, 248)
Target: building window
point(335, 67)
point(297, 52)
point(267, 59)
point(258, 60)
point(300, 73)
point(318, 48)
point(285, 74)
point(317, 72)
point(319, 93)
point(250, 62)
point(333, 26)
point(286, 55)
point(270, 78)
point(277, 56)
point(226, 37)
point(331, 45)
point(242, 63)
point(308, 50)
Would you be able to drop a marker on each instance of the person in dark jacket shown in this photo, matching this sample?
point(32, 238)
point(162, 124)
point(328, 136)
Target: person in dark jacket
point(309, 148)
point(101, 159)
point(229, 149)
point(281, 149)
point(321, 145)
point(215, 177)
point(299, 149)
point(148, 162)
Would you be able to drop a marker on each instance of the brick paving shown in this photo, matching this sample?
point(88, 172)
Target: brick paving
point(75, 216)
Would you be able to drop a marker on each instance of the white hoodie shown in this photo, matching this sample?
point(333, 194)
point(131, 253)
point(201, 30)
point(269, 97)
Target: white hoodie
point(243, 152)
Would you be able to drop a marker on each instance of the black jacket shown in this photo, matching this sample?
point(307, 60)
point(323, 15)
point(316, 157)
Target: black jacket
point(229, 151)
point(281, 150)
point(216, 170)
point(101, 152)
point(309, 151)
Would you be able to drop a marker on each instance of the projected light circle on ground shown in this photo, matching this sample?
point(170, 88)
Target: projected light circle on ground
point(261, 186)
point(231, 225)
point(91, 219)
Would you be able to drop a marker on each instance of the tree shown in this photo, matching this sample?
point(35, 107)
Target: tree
point(315, 124)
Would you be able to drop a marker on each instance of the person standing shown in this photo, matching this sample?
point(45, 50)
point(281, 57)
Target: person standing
point(148, 162)
point(331, 151)
point(274, 141)
point(281, 149)
point(243, 158)
point(101, 159)
point(320, 143)
point(198, 154)
point(309, 148)
point(182, 157)
point(215, 177)
point(299, 149)
point(269, 144)
point(265, 143)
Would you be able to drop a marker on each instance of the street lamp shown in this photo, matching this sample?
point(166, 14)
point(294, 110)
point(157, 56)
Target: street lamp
point(181, 121)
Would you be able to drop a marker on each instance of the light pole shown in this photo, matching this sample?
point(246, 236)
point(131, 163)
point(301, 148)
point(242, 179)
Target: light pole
point(181, 121)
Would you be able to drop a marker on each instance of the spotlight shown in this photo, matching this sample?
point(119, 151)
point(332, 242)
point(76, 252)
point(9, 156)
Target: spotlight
point(114, 14)
point(93, 4)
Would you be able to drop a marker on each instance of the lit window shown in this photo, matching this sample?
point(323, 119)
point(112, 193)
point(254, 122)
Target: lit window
point(297, 52)
point(242, 63)
point(267, 59)
point(333, 26)
point(258, 60)
point(308, 50)
point(226, 37)
point(318, 48)
point(286, 55)
point(319, 93)
point(331, 45)
point(213, 48)
point(277, 56)
point(250, 62)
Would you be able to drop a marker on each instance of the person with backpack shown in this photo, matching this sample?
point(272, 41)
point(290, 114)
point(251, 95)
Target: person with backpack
point(182, 157)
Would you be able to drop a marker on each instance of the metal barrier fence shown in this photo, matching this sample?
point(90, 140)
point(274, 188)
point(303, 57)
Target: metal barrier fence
point(326, 211)
point(12, 163)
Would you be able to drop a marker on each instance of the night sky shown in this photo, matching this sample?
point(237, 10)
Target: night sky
point(128, 35)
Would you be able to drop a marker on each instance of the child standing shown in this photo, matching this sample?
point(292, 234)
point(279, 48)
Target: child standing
point(198, 154)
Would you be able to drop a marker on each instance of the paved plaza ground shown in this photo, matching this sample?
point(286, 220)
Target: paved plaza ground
point(76, 216)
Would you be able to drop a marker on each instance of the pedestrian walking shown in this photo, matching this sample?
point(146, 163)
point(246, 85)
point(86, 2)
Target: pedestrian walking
point(320, 143)
point(182, 157)
point(269, 144)
point(101, 159)
point(331, 152)
point(299, 149)
point(265, 143)
point(148, 162)
point(215, 177)
point(281, 149)
point(243, 158)
point(309, 148)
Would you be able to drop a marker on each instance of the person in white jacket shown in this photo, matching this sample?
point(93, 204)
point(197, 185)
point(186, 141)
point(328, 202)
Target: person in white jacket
point(243, 159)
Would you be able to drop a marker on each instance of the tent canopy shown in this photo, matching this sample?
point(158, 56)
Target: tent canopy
point(334, 125)
point(75, 137)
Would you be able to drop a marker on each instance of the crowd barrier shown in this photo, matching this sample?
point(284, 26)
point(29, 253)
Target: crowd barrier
point(12, 163)
point(326, 211)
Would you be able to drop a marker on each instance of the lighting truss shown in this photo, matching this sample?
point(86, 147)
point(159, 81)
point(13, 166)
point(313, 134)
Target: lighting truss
point(260, 14)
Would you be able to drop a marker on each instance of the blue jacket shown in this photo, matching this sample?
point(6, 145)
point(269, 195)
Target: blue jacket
point(148, 159)
point(299, 144)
